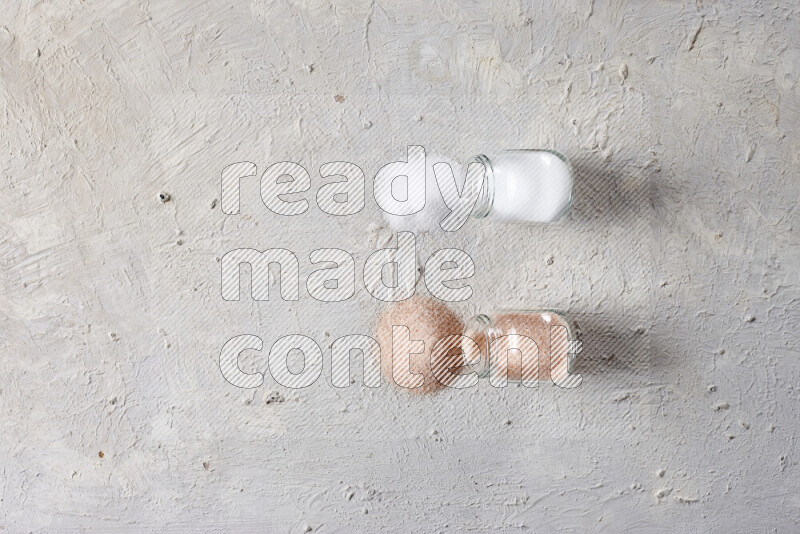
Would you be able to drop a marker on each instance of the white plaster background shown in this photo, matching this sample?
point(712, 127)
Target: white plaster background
point(683, 120)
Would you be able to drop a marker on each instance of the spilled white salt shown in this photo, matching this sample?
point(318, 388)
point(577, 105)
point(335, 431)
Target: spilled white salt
point(428, 219)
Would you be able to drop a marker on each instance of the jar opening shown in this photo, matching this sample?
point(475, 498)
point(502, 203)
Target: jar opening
point(485, 201)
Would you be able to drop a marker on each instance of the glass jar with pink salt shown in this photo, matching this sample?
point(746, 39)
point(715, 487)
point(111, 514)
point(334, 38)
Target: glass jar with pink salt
point(523, 346)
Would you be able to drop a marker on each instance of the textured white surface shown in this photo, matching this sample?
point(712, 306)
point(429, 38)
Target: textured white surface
point(683, 122)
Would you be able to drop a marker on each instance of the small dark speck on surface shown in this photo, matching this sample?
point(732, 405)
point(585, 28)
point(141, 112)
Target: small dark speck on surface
point(100, 454)
point(339, 98)
point(273, 397)
point(164, 197)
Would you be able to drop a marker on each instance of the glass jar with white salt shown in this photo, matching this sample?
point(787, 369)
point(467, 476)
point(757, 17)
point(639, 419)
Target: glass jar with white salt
point(524, 186)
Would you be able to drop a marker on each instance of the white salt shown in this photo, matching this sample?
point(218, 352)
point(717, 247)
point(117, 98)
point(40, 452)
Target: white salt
point(428, 219)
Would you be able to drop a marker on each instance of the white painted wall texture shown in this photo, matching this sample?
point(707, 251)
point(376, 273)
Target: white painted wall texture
point(680, 260)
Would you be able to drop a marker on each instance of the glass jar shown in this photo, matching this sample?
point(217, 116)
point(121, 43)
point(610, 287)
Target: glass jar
point(529, 186)
point(523, 346)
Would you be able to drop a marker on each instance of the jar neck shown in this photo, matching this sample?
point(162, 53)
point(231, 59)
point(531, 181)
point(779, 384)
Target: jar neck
point(485, 201)
point(482, 331)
